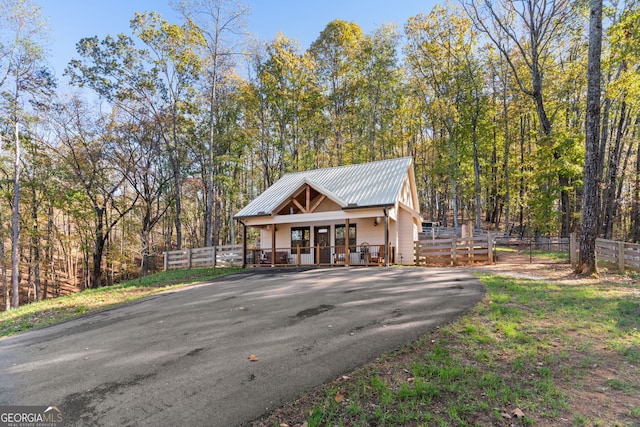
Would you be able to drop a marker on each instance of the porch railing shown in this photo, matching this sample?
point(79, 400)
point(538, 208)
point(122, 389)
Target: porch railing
point(317, 256)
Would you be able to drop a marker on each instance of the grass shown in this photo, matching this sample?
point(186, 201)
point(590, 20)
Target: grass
point(531, 353)
point(55, 310)
point(556, 256)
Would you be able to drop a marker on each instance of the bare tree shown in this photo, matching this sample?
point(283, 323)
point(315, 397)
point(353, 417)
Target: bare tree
point(22, 78)
point(219, 21)
point(530, 26)
point(141, 161)
point(89, 150)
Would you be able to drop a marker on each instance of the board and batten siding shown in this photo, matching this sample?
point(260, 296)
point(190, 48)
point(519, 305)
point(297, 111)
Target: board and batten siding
point(407, 235)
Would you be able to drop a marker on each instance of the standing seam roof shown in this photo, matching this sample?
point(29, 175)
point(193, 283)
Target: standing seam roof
point(367, 184)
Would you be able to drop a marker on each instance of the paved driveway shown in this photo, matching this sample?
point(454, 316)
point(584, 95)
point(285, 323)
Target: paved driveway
point(181, 358)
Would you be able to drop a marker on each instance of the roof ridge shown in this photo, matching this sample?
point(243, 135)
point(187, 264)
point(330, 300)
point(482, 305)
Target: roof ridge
point(348, 166)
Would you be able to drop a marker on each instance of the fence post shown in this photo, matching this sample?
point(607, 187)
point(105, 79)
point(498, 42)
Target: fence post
point(572, 249)
point(215, 255)
point(621, 257)
point(416, 252)
point(189, 255)
point(489, 248)
point(166, 260)
point(454, 252)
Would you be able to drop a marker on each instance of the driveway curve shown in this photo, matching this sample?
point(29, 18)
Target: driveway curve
point(182, 357)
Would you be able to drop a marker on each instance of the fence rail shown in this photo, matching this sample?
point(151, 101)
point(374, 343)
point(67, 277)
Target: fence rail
point(611, 253)
point(622, 255)
point(454, 251)
point(212, 256)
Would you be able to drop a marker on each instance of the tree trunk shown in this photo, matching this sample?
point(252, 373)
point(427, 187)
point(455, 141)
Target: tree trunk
point(476, 174)
point(49, 274)
point(15, 236)
point(453, 182)
point(177, 182)
point(3, 273)
point(635, 208)
point(208, 220)
point(505, 165)
point(145, 239)
point(98, 249)
point(610, 195)
point(523, 187)
point(587, 261)
point(35, 244)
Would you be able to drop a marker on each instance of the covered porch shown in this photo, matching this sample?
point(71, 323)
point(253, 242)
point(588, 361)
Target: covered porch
point(334, 238)
point(320, 256)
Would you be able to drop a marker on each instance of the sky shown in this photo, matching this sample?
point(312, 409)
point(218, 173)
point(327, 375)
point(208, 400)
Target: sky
point(303, 20)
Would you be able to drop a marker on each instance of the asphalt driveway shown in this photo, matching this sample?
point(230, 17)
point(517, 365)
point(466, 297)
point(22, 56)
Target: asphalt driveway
point(182, 358)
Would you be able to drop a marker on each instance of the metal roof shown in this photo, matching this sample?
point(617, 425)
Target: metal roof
point(355, 186)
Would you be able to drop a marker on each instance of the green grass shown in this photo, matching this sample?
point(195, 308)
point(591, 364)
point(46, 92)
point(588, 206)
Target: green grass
point(529, 345)
point(557, 256)
point(54, 310)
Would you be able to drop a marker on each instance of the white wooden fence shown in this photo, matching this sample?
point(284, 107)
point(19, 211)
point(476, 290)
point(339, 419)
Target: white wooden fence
point(213, 256)
point(610, 253)
point(454, 251)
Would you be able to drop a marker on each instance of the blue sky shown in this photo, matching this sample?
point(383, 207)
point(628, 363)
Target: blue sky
point(303, 20)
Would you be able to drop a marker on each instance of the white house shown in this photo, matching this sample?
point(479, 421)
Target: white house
point(303, 217)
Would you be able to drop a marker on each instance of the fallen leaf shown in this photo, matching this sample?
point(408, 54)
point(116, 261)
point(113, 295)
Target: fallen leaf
point(410, 380)
point(517, 413)
point(505, 415)
point(344, 378)
point(284, 425)
point(253, 358)
point(339, 397)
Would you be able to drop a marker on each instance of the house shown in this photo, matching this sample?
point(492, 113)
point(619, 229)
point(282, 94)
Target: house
point(365, 214)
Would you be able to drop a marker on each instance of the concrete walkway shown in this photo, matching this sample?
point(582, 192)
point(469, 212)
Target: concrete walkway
point(182, 358)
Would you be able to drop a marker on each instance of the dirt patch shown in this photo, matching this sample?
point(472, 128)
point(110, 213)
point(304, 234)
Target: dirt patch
point(525, 267)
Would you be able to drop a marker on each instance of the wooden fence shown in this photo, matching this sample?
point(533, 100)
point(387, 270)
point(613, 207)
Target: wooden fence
point(213, 256)
point(454, 251)
point(610, 253)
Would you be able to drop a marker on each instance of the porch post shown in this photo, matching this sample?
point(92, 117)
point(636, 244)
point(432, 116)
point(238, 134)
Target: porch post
point(244, 245)
point(346, 240)
point(386, 238)
point(273, 245)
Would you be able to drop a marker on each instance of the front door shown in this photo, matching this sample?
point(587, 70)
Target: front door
point(322, 239)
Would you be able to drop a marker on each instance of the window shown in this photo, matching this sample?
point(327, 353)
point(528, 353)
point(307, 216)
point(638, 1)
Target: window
point(300, 236)
point(340, 236)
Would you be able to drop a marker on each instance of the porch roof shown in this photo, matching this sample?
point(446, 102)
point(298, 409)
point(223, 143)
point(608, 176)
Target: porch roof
point(355, 186)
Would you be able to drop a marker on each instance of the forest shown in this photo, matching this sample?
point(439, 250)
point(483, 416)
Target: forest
point(174, 126)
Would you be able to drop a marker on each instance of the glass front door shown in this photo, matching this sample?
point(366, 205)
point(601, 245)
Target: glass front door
point(321, 238)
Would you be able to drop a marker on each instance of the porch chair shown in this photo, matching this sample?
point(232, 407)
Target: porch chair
point(364, 253)
point(377, 257)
